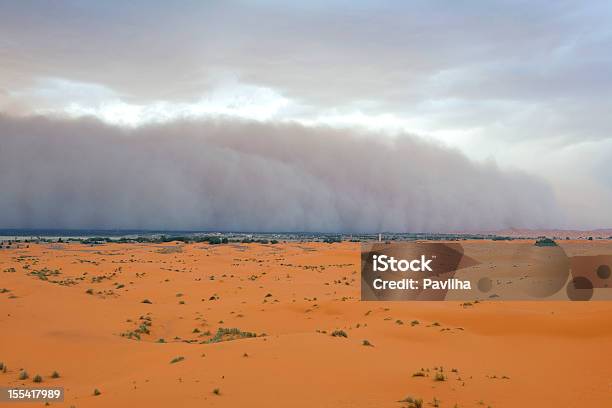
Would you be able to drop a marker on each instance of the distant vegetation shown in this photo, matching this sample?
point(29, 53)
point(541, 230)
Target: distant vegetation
point(98, 237)
point(545, 242)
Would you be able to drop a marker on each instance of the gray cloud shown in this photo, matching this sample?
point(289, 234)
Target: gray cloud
point(238, 175)
point(545, 62)
point(524, 83)
point(390, 52)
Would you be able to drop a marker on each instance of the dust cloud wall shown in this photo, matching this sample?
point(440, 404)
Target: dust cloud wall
point(225, 174)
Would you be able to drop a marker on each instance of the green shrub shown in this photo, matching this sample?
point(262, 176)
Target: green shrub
point(229, 334)
point(545, 242)
point(214, 240)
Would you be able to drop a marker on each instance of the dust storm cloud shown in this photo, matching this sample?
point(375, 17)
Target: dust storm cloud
point(226, 174)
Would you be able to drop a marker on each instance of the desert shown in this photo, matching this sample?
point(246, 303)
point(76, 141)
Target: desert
point(305, 204)
point(274, 325)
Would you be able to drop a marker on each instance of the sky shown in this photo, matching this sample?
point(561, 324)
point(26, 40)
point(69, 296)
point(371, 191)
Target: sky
point(493, 91)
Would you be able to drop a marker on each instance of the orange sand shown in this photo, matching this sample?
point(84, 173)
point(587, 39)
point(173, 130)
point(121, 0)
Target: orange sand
point(513, 354)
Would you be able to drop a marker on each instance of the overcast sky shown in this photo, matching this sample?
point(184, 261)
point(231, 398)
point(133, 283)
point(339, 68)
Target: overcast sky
point(522, 86)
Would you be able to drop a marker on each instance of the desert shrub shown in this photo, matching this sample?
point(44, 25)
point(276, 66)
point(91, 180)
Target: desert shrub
point(339, 333)
point(439, 377)
point(367, 343)
point(37, 378)
point(413, 402)
point(55, 374)
point(223, 334)
point(217, 391)
point(96, 392)
point(177, 359)
point(147, 301)
point(23, 375)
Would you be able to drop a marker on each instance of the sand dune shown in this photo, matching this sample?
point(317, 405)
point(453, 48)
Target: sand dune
point(79, 310)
